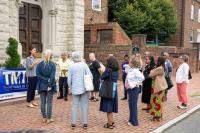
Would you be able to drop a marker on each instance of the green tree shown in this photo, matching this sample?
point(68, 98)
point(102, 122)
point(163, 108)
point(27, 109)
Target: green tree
point(132, 20)
point(151, 17)
point(12, 51)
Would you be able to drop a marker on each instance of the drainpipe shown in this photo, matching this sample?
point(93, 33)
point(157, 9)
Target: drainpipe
point(182, 23)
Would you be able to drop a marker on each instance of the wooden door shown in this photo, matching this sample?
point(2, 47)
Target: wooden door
point(30, 18)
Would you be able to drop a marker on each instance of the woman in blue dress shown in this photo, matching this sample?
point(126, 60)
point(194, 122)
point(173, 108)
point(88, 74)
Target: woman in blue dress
point(110, 106)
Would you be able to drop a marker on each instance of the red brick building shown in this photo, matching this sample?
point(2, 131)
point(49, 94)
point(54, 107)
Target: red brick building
point(98, 29)
point(189, 23)
point(96, 11)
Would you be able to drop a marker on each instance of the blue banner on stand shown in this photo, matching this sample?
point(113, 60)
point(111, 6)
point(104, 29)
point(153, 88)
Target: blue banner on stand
point(13, 83)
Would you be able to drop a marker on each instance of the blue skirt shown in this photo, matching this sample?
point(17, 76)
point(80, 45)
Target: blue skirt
point(109, 105)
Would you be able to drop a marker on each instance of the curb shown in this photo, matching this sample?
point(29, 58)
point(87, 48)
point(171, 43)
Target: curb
point(176, 120)
point(15, 101)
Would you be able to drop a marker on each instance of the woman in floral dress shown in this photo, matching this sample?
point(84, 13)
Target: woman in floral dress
point(159, 86)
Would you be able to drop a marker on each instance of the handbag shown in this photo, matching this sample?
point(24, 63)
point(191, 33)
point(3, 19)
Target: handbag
point(107, 88)
point(160, 84)
point(88, 83)
point(169, 83)
point(189, 75)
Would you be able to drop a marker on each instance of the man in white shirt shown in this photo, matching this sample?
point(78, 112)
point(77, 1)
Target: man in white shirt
point(182, 81)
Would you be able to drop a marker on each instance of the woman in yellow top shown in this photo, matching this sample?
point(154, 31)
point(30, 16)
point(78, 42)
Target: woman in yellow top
point(63, 65)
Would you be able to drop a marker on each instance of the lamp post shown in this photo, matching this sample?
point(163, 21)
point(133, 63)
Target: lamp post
point(196, 45)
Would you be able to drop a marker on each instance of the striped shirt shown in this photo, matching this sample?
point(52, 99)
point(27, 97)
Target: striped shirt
point(76, 77)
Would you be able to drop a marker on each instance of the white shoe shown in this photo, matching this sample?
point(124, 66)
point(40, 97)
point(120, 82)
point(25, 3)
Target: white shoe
point(130, 124)
point(182, 107)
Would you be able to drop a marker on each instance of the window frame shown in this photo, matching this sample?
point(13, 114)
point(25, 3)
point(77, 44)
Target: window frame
point(99, 37)
point(191, 33)
point(93, 7)
point(198, 15)
point(192, 12)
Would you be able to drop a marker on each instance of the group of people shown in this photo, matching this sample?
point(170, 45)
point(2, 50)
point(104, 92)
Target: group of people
point(152, 78)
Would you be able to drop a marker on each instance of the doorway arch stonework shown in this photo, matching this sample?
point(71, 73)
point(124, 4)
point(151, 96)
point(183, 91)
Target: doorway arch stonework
point(62, 24)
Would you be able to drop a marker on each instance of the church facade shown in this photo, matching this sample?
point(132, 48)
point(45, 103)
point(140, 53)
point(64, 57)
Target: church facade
point(44, 24)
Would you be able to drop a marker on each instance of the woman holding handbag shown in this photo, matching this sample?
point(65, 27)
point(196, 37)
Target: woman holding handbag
point(110, 105)
point(159, 85)
point(182, 80)
point(80, 97)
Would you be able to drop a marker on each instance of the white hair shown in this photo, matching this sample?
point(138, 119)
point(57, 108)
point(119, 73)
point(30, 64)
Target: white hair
point(47, 52)
point(76, 56)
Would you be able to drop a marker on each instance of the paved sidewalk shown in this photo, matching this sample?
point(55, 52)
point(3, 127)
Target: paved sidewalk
point(19, 117)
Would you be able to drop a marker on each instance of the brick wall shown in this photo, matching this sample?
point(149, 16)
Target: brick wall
point(181, 38)
point(173, 51)
point(118, 35)
point(103, 50)
point(176, 39)
point(94, 17)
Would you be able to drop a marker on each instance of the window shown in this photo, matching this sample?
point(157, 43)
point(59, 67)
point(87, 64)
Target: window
point(104, 36)
point(198, 35)
point(96, 5)
point(87, 37)
point(191, 35)
point(192, 12)
point(199, 15)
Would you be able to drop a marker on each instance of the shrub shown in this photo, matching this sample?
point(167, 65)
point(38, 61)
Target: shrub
point(13, 60)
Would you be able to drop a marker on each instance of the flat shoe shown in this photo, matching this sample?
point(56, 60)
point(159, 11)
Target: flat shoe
point(44, 120)
point(31, 106)
point(49, 121)
point(145, 109)
point(35, 104)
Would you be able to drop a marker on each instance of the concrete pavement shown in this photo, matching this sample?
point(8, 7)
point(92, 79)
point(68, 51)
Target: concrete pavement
point(187, 125)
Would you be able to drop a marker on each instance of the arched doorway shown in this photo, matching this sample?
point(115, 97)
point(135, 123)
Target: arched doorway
point(30, 27)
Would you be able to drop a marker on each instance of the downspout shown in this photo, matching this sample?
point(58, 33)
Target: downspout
point(182, 23)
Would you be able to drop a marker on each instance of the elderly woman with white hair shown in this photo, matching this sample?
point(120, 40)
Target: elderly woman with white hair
point(46, 85)
point(79, 94)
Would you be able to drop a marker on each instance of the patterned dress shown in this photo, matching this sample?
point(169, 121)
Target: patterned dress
point(156, 102)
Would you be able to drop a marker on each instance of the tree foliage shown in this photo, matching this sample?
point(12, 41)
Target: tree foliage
point(151, 17)
point(12, 51)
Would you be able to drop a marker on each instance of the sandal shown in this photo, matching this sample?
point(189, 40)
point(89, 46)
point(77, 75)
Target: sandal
point(108, 126)
point(113, 124)
point(95, 100)
point(158, 119)
point(153, 119)
point(91, 98)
